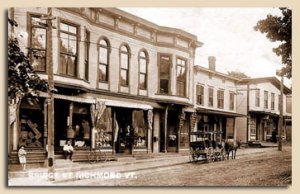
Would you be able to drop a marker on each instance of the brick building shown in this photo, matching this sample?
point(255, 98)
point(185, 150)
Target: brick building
point(136, 74)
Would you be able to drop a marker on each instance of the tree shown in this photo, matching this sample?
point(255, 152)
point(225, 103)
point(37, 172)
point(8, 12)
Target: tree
point(23, 82)
point(237, 74)
point(279, 28)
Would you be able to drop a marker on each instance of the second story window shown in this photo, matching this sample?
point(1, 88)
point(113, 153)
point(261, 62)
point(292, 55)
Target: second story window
point(180, 77)
point(266, 99)
point(103, 50)
point(231, 101)
point(257, 98)
point(200, 94)
point(164, 73)
point(68, 34)
point(221, 99)
point(210, 97)
point(272, 101)
point(37, 53)
point(143, 62)
point(124, 65)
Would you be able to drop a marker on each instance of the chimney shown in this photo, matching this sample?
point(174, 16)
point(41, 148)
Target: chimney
point(212, 63)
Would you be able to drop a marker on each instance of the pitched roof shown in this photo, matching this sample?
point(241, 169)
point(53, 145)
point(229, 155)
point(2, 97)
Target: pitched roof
point(273, 80)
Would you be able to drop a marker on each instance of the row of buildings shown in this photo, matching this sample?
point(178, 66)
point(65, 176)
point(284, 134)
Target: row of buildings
point(141, 79)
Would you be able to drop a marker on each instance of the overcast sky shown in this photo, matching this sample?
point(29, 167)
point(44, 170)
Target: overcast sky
point(227, 34)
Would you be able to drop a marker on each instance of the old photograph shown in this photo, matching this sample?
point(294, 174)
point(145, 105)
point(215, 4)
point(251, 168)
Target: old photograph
point(105, 96)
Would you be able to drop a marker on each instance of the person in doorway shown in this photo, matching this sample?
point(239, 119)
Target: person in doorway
point(274, 134)
point(68, 150)
point(22, 157)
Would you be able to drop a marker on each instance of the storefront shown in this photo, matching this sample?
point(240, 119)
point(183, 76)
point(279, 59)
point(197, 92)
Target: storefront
point(117, 126)
point(174, 129)
point(72, 121)
point(31, 125)
point(131, 130)
point(221, 124)
point(263, 126)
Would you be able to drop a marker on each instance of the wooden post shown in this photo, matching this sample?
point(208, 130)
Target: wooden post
point(49, 18)
point(281, 114)
point(166, 128)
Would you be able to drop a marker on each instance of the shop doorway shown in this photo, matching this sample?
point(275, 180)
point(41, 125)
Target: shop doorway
point(124, 142)
point(31, 125)
point(61, 114)
point(172, 131)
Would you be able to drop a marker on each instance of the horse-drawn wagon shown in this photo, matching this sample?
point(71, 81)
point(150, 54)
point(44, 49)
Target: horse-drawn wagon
point(203, 148)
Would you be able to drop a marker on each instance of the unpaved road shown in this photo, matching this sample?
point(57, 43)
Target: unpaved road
point(268, 168)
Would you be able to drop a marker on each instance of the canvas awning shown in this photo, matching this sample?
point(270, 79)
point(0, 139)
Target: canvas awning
point(108, 102)
point(218, 112)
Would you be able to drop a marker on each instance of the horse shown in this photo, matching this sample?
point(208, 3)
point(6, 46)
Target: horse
point(231, 145)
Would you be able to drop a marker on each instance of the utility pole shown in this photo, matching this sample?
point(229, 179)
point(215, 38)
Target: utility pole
point(281, 113)
point(50, 128)
point(248, 115)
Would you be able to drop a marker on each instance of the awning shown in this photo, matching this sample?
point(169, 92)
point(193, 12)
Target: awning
point(70, 98)
point(217, 112)
point(124, 104)
point(108, 102)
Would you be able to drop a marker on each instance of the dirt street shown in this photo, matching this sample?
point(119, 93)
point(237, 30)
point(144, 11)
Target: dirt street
point(268, 168)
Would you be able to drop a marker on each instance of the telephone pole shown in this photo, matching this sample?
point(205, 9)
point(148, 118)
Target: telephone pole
point(281, 113)
point(281, 74)
point(50, 128)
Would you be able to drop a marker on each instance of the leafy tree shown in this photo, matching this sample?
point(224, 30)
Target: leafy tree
point(279, 28)
point(23, 82)
point(237, 74)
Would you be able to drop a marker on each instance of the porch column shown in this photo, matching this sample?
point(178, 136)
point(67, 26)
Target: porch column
point(156, 132)
point(181, 123)
point(45, 123)
point(114, 137)
point(15, 135)
point(234, 128)
point(221, 129)
point(150, 123)
point(15, 128)
point(166, 128)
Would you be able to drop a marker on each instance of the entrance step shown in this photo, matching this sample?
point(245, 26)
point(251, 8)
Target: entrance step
point(254, 144)
point(60, 156)
point(33, 156)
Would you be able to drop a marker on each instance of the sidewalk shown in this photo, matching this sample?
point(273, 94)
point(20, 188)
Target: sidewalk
point(68, 171)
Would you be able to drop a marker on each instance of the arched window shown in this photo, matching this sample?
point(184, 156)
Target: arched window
point(143, 64)
point(124, 65)
point(103, 60)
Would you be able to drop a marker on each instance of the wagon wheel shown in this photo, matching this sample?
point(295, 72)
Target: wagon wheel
point(209, 158)
point(223, 155)
point(210, 155)
point(192, 157)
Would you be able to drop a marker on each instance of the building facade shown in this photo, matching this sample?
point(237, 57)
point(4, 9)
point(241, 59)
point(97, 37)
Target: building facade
point(120, 81)
point(215, 102)
point(131, 87)
point(260, 100)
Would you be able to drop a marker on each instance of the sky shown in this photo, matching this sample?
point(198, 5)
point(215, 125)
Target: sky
point(227, 33)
